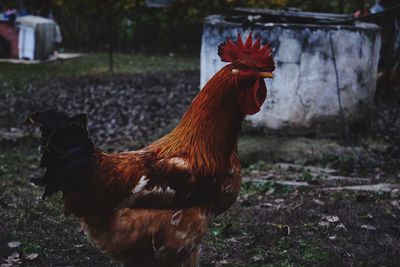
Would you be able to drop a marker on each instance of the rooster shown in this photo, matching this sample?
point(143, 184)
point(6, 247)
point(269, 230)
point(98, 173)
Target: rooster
point(151, 207)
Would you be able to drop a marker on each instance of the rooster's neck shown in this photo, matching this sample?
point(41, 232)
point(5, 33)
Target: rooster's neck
point(207, 133)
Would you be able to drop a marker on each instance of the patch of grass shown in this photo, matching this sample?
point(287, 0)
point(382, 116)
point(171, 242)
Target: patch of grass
point(305, 174)
point(261, 187)
point(32, 247)
point(217, 239)
point(292, 251)
point(19, 75)
point(345, 164)
point(216, 229)
point(258, 166)
point(256, 187)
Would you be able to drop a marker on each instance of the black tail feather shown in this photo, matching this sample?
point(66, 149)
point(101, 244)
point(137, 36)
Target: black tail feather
point(66, 150)
point(49, 119)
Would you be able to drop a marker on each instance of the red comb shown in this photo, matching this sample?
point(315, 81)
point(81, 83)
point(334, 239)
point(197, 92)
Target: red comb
point(247, 53)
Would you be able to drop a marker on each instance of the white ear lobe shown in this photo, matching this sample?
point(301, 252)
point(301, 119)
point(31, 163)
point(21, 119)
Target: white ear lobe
point(235, 71)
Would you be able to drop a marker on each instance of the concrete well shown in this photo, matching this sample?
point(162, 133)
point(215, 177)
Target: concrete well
point(303, 97)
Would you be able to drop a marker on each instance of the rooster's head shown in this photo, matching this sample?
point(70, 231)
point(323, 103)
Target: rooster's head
point(250, 65)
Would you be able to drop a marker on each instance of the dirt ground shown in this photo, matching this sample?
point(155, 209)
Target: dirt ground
point(314, 213)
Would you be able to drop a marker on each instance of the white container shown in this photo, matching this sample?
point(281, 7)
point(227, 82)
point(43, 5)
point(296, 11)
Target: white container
point(37, 37)
point(26, 43)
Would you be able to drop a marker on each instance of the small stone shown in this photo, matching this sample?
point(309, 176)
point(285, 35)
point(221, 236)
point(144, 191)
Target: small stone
point(395, 203)
point(332, 219)
point(31, 256)
point(221, 262)
point(395, 193)
point(266, 205)
point(270, 191)
point(257, 258)
point(13, 259)
point(341, 226)
point(319, 202)
point(368, 227)
point(323, 224)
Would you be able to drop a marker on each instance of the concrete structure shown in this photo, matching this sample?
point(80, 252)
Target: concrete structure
point(303, 98)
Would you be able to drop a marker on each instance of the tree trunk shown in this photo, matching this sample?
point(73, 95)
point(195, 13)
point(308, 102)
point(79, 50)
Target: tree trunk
point(361, 6)
point(110, 58)
point(341, 6)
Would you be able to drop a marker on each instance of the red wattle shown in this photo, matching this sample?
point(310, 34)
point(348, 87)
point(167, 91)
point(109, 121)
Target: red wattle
point(251, 99)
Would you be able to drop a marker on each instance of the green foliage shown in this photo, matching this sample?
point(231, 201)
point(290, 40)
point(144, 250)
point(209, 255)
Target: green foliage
point(90, 23)
point(37, 7)
point(256, 187)
point(307, 252)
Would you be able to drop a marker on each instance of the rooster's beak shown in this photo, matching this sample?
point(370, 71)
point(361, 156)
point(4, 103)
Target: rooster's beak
point(266, 75)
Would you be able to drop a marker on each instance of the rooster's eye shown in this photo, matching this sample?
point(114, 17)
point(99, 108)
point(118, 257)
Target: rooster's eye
point(243, 67)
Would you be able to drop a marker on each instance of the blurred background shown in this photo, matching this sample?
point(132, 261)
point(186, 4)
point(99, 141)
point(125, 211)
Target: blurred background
point(321, 184)
point(154, 26)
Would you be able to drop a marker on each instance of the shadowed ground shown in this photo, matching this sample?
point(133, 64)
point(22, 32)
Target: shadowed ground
point(303, 202)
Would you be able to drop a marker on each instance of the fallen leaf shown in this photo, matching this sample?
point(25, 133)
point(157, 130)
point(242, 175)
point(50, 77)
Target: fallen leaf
point(221, 262)
point(319, 202)
point(332, 219)
point(368, 227)
point(395, 203)
point(341, 226)
point(13, 259)
point(257, 258)
point(279, 200)
point(31, 256)
point(266, 205)
point(367, 216)
point(324, 224)
point(270, 191)
point(14, 244)
point(332, 237)
point(395, 193)
point(283, 227)
point(347, 254)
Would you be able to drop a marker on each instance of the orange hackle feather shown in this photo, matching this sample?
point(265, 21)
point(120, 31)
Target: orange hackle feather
point(207, 133)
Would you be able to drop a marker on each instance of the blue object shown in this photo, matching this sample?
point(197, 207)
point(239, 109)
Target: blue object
point(376, 8)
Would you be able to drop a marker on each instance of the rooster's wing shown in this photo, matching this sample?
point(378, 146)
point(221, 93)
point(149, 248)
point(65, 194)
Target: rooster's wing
point(169, 183)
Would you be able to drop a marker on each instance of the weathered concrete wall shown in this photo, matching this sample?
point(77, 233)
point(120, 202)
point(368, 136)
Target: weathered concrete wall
point(303, 97)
